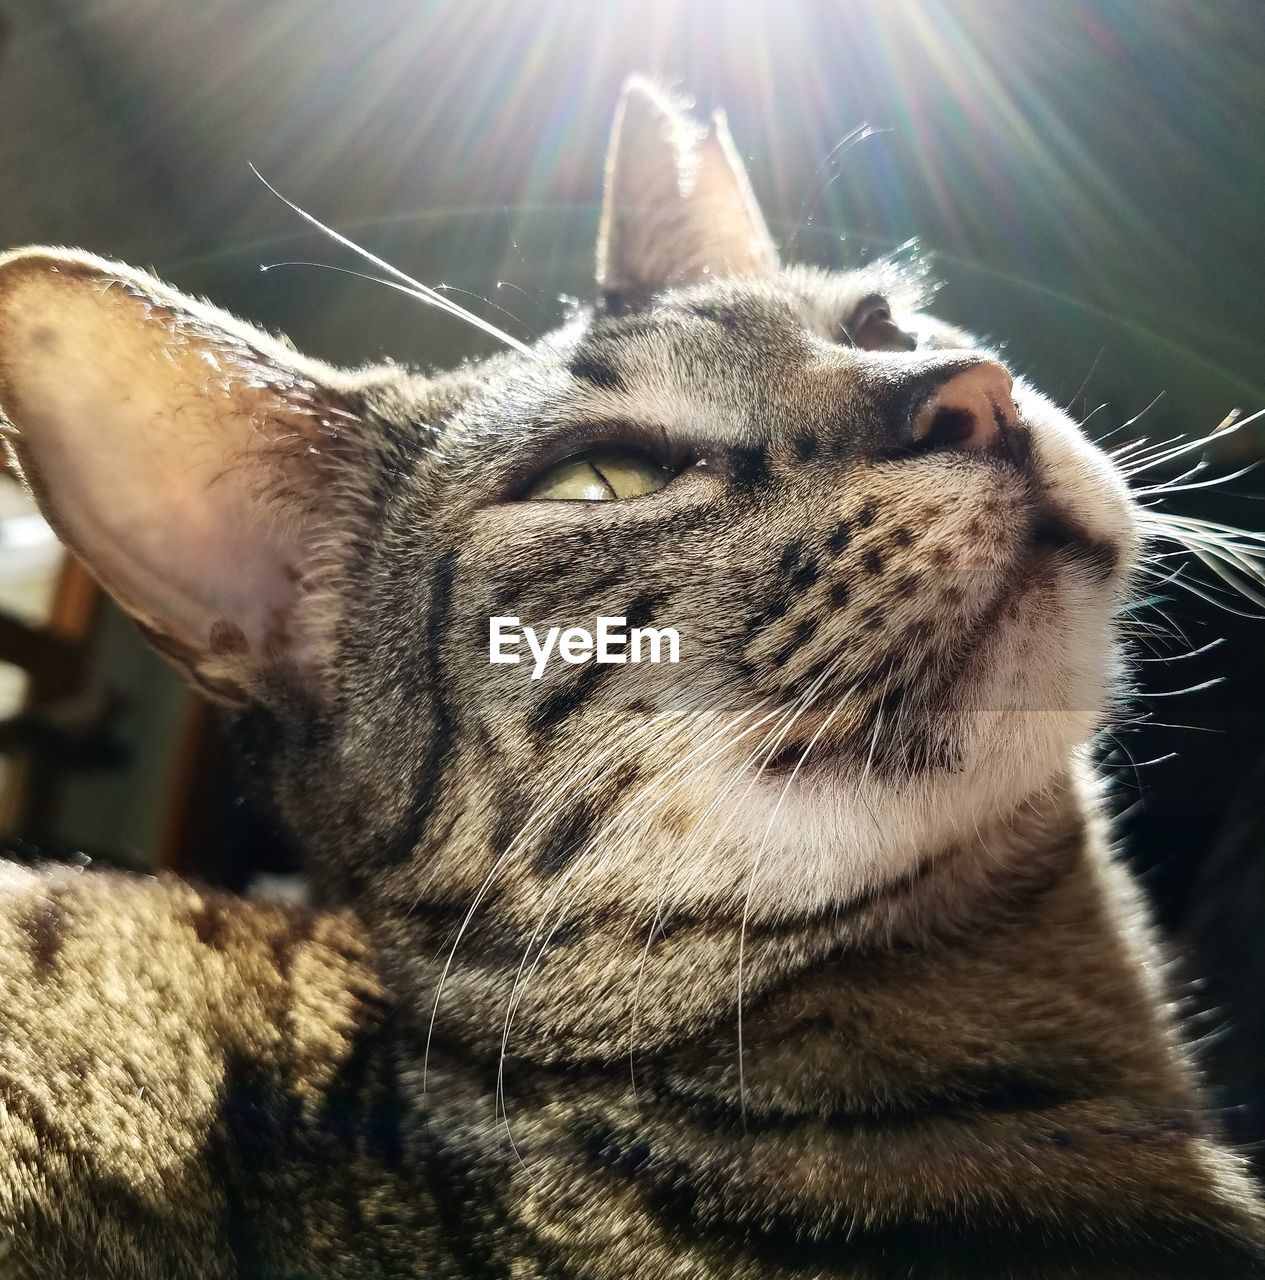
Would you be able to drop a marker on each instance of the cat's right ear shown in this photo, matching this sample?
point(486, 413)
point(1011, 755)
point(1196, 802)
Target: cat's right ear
point(678, 207)
point(187, 458)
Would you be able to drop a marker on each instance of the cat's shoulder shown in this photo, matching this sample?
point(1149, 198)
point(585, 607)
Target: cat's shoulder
point(133, 1008)
point(141, 993)
point(60, 921)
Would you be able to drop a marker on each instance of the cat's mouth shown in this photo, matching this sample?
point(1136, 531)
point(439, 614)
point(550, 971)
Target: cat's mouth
point(1057, 536)
point(1055, 540)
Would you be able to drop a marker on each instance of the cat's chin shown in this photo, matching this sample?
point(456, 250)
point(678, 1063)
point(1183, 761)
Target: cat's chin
point(825, 835)
point(846, 815)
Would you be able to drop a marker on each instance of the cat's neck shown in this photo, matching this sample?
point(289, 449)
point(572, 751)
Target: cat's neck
point(978, 1058)
point(1031, 976)
point(1031, 903)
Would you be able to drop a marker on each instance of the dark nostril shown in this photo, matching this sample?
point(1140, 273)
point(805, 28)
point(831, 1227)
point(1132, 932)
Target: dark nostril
point(948, 429)
point(971, 410)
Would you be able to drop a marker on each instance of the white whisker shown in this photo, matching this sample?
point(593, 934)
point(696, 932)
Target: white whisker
point(422, 292)
point(751, 884)
point(1230, 425)
point(524, 973)
point(1176, 486)
point(540, 814)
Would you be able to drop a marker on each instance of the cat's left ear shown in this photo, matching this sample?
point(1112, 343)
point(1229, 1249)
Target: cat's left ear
point(190, 460)
point(678, 207)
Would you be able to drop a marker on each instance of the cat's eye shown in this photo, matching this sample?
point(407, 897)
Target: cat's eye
point(873, 329)
point(600, 475)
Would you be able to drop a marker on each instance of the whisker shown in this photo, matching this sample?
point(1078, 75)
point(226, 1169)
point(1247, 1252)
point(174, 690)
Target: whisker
point(1192, 728)
point(496, 306)
point(764, 748)
point(1228, 426)
point(265, 267)
point(539, 815)
point(1175, 486)
point(660, 916)
point(1194, 653)
point(1235, 556)
point(1180, 693)
point(1111, 431)
point(1085, 381)
point(421, 291)
point(1130, 446)
point(807, 212)
point(771, 743)
point(751, 884)
point(524, 975)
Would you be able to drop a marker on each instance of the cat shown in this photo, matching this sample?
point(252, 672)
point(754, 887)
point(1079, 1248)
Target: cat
point(806, 955)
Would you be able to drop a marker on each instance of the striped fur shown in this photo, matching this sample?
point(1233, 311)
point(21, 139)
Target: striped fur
point(807, 957)
point(193, 1086)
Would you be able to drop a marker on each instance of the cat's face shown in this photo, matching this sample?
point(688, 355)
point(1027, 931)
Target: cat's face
point(891, 569)
point(888, 632)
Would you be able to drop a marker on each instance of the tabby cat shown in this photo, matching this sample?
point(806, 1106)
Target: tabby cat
point(805, 956)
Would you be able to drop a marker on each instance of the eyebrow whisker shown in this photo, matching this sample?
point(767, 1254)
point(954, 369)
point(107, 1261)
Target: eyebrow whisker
point(424, 293)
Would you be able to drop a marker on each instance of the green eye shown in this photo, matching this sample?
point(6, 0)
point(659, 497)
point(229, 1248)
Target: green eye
point(600, 475)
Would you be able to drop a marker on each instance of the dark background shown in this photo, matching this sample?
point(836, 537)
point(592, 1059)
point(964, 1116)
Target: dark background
point(1088, 178)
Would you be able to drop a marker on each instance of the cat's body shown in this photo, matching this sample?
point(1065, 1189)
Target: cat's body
point(198, 1087)
point(804, 957)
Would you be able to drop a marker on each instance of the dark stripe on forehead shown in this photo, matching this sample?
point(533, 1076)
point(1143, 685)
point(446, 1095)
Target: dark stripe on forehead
point(730, 318)
point(615, 304)
point(596, 369)
point(400, 847)
point(749, 465)
point(632, 318)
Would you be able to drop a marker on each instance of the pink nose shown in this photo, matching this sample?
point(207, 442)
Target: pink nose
point(970, 410)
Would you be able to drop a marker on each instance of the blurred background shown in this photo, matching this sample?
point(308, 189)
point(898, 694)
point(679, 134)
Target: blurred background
point(1087, 179)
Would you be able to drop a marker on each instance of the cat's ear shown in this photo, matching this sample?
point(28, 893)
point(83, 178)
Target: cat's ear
point(184, 456)
point(678, 207)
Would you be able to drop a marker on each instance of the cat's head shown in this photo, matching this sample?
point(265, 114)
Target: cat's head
point(891, 565)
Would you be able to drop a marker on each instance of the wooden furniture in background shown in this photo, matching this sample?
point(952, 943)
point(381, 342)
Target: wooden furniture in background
point(67, 704)
point(55, 659)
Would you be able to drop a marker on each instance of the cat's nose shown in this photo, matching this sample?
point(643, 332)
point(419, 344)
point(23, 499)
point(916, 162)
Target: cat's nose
point(970, 409)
